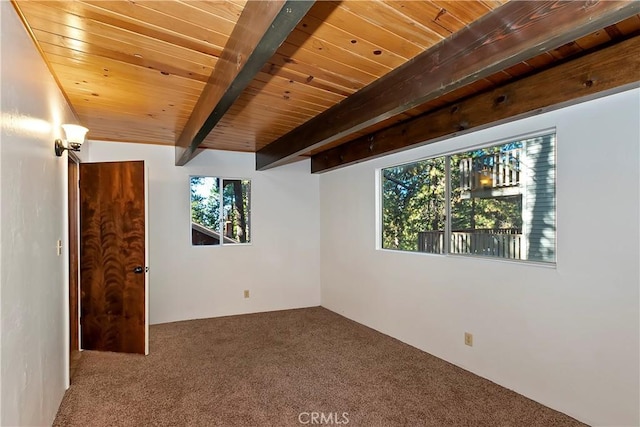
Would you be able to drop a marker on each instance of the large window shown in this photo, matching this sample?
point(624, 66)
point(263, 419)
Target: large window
point(496, 201)
point(220, 210)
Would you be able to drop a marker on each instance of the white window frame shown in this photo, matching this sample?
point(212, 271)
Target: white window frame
point(379, 176)
point(221, 211)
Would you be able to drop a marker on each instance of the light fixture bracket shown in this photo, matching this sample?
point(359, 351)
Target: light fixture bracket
point(75, 137)
point(59, 147)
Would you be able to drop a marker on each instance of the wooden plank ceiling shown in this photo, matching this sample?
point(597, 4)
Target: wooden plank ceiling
point(134, 70)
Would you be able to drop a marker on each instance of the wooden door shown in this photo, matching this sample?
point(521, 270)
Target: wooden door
point(112, 257)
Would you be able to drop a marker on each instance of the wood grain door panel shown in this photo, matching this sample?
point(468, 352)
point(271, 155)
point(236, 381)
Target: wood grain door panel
point(112, 236)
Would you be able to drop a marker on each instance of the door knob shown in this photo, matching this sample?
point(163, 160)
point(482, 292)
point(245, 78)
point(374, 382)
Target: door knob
point(138, 270)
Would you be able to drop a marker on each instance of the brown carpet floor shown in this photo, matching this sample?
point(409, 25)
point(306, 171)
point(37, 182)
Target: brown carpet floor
point(275, 369)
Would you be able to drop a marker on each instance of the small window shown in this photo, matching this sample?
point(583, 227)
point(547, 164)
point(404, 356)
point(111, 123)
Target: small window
point(500, 202)
point(220, 211)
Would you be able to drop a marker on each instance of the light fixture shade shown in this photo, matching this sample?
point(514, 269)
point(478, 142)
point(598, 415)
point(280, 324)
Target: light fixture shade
point(75, 134)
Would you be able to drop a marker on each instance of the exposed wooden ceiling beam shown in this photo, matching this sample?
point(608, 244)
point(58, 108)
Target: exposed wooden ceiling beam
point(261, 29)
point(517, 31)
point(611, 69)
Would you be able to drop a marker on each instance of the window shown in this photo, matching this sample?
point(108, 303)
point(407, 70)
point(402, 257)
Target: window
point(220, 211)
point(496, 201)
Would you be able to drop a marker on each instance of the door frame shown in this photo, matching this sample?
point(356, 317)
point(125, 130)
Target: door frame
point(146, 258)
point(72, 158)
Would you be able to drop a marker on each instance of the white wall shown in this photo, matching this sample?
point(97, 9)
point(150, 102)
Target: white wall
point(281, 267)
point(568, 336)
point(33, 278)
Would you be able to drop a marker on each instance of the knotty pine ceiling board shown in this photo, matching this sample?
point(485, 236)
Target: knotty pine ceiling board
point(121, 60)
point(134, 70)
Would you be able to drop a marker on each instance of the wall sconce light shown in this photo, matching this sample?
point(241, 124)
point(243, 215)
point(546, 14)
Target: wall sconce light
point(75, 137)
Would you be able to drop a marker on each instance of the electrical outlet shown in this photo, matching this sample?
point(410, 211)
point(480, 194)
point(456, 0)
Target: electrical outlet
point(246, 293)
point(468, 339)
